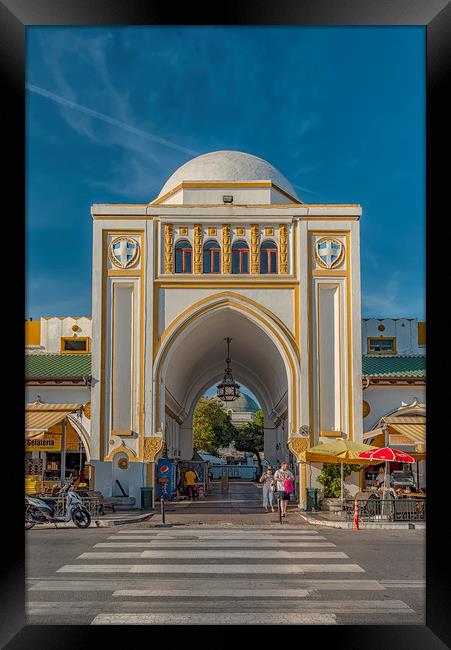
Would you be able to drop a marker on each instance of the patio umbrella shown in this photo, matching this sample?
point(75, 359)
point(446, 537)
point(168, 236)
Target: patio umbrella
point(389, 455)
point(338, 451)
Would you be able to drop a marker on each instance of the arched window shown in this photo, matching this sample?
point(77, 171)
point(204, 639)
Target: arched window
point(240, 257)
point(212, 257)
point(183, 256)
point(268, 257)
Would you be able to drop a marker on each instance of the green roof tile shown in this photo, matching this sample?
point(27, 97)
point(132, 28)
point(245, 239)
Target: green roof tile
point(57, 365)
point(394, 366)
point(79, 365)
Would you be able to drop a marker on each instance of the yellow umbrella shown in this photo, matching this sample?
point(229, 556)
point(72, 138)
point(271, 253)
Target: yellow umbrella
point(338, 451)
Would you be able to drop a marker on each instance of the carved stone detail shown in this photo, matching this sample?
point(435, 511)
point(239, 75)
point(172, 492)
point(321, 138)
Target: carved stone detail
point(152, 445)
point(168, 248)
point(255, 230)
point(283, 243)
point(298, 445)
point(87, 410)
point(226, 266)
point(197, 248)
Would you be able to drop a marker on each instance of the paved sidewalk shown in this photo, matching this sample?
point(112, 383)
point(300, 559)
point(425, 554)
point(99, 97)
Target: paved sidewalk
point(108, 520)
point(331, 519)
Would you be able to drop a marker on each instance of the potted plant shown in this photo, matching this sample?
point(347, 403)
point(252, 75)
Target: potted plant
point(330, 479)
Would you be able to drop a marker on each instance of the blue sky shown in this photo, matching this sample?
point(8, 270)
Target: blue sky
point(112, 112)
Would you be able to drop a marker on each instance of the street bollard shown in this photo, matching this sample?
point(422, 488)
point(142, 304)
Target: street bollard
point(356, 515)
point(163, 520)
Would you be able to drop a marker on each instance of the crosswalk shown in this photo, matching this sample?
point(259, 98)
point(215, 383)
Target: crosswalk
point(213, 576)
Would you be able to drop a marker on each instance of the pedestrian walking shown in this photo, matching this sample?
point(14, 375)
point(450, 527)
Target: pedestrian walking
point(267, 478)
point(190, 480)
point(285, 486)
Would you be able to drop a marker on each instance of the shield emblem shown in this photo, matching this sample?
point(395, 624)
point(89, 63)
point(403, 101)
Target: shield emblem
point(124, 252)
point(329, 252)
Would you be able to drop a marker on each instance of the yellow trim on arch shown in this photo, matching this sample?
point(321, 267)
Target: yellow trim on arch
point(226, 294)
point(131, 454)
point(212, 307)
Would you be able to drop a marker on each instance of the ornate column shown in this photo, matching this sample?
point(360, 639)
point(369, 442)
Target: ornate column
point(283, 248)
point(197, 251)
point(297, 445)
point(255, 266)
point(152, 446)
point(168, 248)
point(226, 265)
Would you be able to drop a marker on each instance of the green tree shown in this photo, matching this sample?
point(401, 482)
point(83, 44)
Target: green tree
point(250, 437)
point(212, 426)
point(330, 477)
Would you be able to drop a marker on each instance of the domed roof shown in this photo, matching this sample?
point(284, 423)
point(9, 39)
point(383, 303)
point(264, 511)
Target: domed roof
point(243, 404)
point(230, 166)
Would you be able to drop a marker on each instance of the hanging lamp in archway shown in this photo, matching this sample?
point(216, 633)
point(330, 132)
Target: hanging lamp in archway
point(228, 389)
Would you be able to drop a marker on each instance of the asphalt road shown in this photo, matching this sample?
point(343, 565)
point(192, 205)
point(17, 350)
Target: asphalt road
point(202, 571)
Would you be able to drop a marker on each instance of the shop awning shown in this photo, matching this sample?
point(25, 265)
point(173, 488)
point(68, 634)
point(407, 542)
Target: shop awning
point(413, 428)
point(403, 431)
point(39, 418)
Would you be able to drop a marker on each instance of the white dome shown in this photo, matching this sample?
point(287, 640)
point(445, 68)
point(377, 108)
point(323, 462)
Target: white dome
point(230, 166)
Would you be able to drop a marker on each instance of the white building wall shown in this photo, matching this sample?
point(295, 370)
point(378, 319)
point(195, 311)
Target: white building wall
point(405, 330)
point(175, 301)
point(58, 394)
point(52, 329)
point(385, 399)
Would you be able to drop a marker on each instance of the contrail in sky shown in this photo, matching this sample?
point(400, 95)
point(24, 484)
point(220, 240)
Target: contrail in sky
point(108, 119)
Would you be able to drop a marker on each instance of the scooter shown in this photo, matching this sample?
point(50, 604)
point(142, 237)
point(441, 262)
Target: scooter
point(39, 510)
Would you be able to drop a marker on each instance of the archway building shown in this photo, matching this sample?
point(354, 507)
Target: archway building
point(226, 249)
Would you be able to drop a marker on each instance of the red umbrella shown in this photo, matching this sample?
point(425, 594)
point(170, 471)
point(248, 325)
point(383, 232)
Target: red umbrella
point(388, 454)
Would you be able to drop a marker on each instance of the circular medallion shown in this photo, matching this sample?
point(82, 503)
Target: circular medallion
point(123, 463)
point(329, 252)
point(381, 328)
point(123, 252)
point(366, 408)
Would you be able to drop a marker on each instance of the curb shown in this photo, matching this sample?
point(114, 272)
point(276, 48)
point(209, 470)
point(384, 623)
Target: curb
point(100, 523)
point(109, 523)
point(348, 525)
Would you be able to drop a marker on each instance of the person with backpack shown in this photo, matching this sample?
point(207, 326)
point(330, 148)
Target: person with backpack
point(285, 486)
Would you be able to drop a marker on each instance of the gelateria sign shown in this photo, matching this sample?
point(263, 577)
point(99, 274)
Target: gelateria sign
point(43, 442)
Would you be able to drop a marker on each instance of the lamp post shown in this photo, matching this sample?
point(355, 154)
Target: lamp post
point(228, 389)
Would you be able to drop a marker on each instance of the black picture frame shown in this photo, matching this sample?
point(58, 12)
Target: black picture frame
point(15, 16)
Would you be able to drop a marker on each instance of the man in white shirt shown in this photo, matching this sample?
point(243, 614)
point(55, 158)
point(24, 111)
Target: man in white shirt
point(282, 476)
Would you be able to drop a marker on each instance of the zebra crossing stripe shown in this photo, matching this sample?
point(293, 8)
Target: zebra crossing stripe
point(212, 586)
point(219, 592)
point(238, 618)
point(212, 544)
point(215, 554)
point(212, 568)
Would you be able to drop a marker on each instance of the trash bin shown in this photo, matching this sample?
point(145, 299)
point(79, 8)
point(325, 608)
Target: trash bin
point(312, 499)
point(146, 498)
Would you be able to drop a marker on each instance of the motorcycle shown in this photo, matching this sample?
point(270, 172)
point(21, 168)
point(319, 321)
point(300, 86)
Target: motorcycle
point(39, 510)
